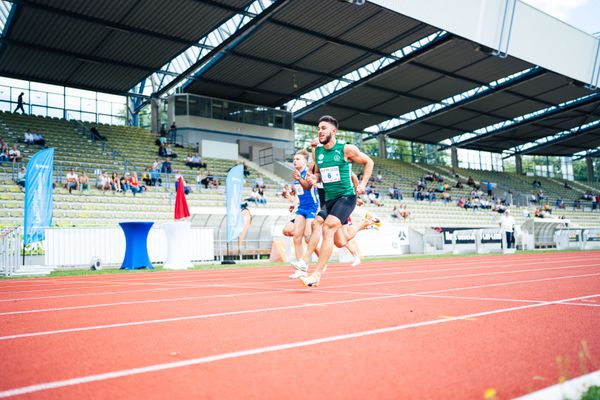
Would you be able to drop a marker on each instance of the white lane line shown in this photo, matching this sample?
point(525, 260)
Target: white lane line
point(571, 389)
point(379, 296)
point(262, 350)
point(499, 299)
point(376, 266)
point(264, 289)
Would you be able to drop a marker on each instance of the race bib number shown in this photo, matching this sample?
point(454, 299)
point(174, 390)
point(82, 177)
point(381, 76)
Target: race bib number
point(330, 174)
point(299, 189)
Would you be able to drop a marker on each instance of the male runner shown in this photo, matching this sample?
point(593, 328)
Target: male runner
point(307, 207)
point(334, 168)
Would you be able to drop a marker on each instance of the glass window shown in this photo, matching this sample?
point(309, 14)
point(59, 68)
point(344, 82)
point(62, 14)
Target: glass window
point(56, 100)
point(4, 93)
point(37, 110)
point(181, 105)
point(5, 106)
point(46, 88)
point(73, 114)
point(89, 117)
point(37, 98)
point(235, 112)
point(55, 112)
point(72, 103)
point(218, 109)
point(104, 119)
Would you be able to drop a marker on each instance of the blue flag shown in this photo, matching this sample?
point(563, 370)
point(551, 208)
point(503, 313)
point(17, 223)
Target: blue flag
point(38, 195)
point(233, 196)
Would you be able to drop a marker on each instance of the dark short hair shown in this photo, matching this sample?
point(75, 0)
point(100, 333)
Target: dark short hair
point(330, 119)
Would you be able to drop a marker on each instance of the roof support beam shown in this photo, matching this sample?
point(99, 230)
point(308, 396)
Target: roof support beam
point(445, 106)
point(589, 153)
point(524, 120)
point(555, 139)
point(227, 44)
point(441, 39)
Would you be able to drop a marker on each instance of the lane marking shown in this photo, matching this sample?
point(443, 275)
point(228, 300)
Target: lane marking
point(583, 304)
point(261, 350)
point(242, 312)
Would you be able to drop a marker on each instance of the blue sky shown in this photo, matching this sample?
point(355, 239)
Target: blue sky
point(583, 14)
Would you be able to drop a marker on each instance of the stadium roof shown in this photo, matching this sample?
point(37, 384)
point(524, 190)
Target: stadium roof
point(469, 94)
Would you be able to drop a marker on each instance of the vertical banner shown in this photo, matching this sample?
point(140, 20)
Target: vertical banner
point(181, 206)
point(38, 195)
point(233, 195)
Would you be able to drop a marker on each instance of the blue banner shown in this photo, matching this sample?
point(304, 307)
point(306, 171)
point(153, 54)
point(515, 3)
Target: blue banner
point(233, 196)
point(38, 195)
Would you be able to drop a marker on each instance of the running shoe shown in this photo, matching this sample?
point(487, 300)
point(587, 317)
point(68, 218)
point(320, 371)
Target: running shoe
point(372, 220)
point(298, 274)
point(300, 265)
point(356, 261)
point(311, 281)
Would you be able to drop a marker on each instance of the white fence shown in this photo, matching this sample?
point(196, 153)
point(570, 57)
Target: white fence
point(10, 246)
point(77, 246)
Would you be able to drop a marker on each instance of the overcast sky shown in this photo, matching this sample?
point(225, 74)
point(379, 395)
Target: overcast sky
point(583, 14)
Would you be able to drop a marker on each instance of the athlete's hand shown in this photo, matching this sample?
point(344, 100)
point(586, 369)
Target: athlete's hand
point(311, 179)
point(360, 189)
point(296, 175)
point(291, 208)
point(314, 142)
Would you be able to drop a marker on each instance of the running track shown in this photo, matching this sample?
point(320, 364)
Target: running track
point(416, 329)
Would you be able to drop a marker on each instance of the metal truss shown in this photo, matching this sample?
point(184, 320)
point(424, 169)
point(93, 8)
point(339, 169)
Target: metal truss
point(587, 153)
point(522, 120)
point(5, 10)
point(315, 98)
point(554, 139)
point(178, 71)
point(427, 112)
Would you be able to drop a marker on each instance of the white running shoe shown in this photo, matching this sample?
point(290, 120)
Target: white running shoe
point(311, 281)
point(298, 274)
point(300, 265)
point(356, 261)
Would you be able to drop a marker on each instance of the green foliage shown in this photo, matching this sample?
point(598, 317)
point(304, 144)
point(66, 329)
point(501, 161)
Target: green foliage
point(593, 393)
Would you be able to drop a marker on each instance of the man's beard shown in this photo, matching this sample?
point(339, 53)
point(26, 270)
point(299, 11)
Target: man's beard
point(326, 140)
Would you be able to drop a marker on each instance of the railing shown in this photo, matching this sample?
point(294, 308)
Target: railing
point(10, 245)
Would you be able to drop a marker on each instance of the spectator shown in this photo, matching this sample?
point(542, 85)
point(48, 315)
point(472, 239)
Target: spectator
point(103, 182)
point(490, 187)
point(173, 132)
point(559, 203)
point(146, 178)
point(21, 177)
point(536, 183)
point(72, 181)
point(210, 179)
point(255, 197)
point(115, 183)
point(471, 182)
point(547, 208)
point(400, 212)
point(155, 177)
point(577, 205)
point(246, 170)
point(567, 186)
point(395, 193)
point(84, 181)
point(3, 151)
point(259, 182)
point(379, 177)
point(124, 181)
point(446, 197)
point(186, 188)
point(167, 166)
point(156, 164)
point(194, 161)
point(169, 151)
point(20, 103)
point(461, 202)
point(14, 154)
point(507, 227)
point(96, 135)
point(459, 184)
point(162, 150)
point(134, 184)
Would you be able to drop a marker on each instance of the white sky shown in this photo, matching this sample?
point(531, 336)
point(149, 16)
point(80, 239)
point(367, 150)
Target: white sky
point(583, 14)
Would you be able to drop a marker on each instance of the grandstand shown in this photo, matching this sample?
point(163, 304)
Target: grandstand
point(468, 109)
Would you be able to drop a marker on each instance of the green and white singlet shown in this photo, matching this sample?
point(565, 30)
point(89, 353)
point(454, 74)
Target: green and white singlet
point(336, 172)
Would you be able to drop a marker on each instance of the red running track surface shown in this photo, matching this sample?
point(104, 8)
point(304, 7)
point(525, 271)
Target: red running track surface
point(449, 328)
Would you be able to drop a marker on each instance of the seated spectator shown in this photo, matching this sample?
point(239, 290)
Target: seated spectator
point(547, 208)
point(162, 150)
point(167, 166)
point(84, 181)
point(577, 205)
point(461, 202)
point(587, 196)
point(134, 184)
point(567, 186)
point(259, 182)
point(3, 151)
point(255, 197)
point(471, 181)
point(124, 181)
point(395, 193)
point(169, 152)
point(14, 154)
point(156, 164)
point(155, 177)
point(186, 189)
point(431, 195)
point(96, 135)
point(428, 177)
point(115, 183)
point(400, 212)
point(210, 180)
point(21, 177)
point(379, 177)
point(246, 171)
point(459, 184)
point(439, 188)
point(418, 194)
point(559, 203)
point(194, 161)
point(146, 178)
point(446, 197)
point(536, 183)
point(533, 198)
point(485, 204)
point(287, 192)
point(72, 181)
point(421, 184)
point(103, 182)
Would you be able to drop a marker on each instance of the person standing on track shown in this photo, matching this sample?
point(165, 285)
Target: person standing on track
point(334, 168)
